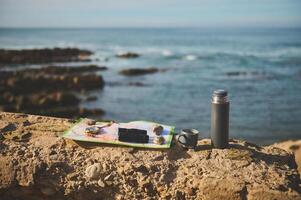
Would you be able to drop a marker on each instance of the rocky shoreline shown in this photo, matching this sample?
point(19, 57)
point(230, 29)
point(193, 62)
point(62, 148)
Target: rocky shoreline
point(55, 90)
point(52, 90)
point(128, 55)
point(140, 72)
point(37, 164)
point(38, 56)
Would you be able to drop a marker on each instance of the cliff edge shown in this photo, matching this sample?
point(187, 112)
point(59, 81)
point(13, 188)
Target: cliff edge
point(37, 164)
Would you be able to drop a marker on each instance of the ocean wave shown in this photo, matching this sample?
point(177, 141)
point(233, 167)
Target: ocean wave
point(190, 57)
point(267, 54)
point(192, 53)
point(296, 61)
point(264, 53)
point(167, 53)
point(284, 52)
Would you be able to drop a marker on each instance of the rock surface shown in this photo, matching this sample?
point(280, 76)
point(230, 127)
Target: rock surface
point(37, 56)
point(128, 55)
point(56, 70)
point(139, 71)
point(52, 90)
point(44, 166)
point(293, 146)
point(26, 81)
point(93, 171)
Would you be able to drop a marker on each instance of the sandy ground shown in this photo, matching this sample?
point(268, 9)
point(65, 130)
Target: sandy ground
point(37, 164)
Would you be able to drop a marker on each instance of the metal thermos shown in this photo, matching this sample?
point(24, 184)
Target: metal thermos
point(220, 119)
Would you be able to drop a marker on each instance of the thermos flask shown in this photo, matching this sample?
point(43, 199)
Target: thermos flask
point(220, 119)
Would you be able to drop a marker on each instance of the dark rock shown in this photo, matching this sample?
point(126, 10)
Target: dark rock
point(45, 100)
point(25, 82)
point(26, 123)
point(128, 55)
point(25, 136)
point(139, 71)
point(35, 56)
point(91, 98)
point(137, 84)
point(142, 169)
point(68, 69)
point(55, 104)
point(8, 127)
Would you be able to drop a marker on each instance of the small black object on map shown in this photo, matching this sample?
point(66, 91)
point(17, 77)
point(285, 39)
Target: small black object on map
point(132, 135)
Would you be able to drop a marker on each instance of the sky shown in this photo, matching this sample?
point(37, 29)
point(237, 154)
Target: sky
point(150, 13)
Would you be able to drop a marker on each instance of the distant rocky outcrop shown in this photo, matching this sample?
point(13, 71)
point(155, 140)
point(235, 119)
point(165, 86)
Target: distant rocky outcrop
point(128, 55)
point(38, 56)
point(68, 69)
point(52, 90)
point(140, 71)
point(36, 164)
point(136, 84)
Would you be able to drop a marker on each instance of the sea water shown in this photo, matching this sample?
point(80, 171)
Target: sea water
point(260, 68)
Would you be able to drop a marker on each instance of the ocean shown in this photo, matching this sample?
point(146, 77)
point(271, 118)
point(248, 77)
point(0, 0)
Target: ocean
point(260, 68)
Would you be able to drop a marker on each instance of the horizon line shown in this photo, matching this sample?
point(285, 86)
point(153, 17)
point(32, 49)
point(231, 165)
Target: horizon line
point(139, 27)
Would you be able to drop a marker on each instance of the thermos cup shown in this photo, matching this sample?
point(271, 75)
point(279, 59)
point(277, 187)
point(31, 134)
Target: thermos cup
point(220, 119)
point(188, 138)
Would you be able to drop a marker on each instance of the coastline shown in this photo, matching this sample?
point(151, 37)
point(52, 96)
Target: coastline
point(83, 86)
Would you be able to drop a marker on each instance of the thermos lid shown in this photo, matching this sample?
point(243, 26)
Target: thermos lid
point(220, 93)
point(220, 97)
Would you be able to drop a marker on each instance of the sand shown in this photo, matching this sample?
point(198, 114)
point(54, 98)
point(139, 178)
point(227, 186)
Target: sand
point(37, 164)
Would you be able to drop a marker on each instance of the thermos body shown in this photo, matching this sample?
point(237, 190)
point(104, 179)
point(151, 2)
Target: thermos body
point(220, 119)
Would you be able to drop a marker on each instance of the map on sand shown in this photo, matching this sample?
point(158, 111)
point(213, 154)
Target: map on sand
point(109, 133)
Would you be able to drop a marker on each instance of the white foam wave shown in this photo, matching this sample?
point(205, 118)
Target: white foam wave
point(190, 57)
point(119, 53)
point(272, 53)
point(167, 53)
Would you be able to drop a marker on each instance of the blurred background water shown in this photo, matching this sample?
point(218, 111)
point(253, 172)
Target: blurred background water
point(261, 69)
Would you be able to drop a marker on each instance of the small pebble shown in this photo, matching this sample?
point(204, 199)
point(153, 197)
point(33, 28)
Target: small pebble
point(101, 183)
point(53, 157)
point(93, 171)
point(109, 183)
point(109, 177)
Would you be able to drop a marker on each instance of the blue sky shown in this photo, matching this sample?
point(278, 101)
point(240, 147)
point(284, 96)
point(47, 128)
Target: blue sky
point(150, 13)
